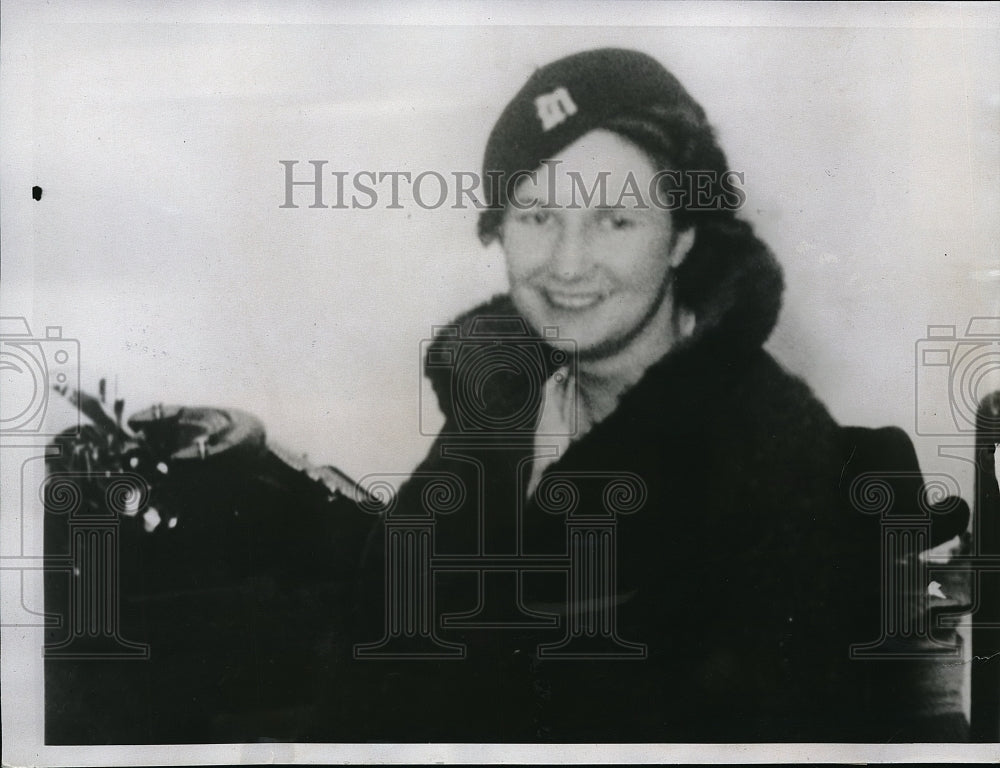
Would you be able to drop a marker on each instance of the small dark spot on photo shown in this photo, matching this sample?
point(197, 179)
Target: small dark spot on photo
point(36, 193)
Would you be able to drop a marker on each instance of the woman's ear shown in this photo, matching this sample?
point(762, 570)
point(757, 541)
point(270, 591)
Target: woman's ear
point(683, 243)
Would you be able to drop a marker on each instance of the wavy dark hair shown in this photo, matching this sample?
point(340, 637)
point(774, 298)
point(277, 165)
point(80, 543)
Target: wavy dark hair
point(729, 275)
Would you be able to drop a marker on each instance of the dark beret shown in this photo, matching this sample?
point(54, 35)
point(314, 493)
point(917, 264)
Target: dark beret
point(565, 100)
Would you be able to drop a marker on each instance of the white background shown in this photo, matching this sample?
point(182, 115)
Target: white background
point(869, 137)
point(870, 157)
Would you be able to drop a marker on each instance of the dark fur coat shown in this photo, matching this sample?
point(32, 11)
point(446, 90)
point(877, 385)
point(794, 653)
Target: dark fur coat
point(745, 575)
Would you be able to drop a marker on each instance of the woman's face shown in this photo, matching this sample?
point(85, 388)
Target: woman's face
point(597, 269)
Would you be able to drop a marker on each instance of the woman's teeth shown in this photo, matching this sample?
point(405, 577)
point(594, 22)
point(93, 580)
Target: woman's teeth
point(575, 300)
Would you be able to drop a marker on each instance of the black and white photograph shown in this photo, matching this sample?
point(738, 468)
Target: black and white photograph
point(499, 382)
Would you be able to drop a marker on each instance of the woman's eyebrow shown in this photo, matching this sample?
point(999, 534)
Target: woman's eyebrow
point(527, 196)
point(620, 208)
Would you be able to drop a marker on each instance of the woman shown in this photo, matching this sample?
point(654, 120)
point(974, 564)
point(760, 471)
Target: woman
point(726, 591)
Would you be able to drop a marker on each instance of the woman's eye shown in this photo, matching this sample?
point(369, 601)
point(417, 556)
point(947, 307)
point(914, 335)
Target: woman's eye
point(536, 216)
point(618, 221)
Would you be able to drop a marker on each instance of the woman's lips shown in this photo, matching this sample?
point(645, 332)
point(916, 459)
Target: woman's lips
point(572, 300)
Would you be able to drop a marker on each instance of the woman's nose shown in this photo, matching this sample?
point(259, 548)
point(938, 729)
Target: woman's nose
point(569, 259)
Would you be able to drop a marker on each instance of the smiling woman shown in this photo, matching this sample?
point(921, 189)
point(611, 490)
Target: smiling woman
point(635, 525)
point(612, 534)
point(600, 273)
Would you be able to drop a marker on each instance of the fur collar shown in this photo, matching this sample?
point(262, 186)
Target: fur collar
point(733, 319)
